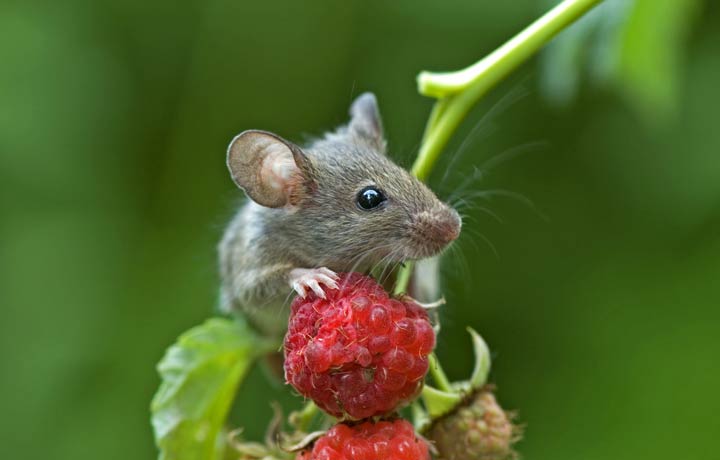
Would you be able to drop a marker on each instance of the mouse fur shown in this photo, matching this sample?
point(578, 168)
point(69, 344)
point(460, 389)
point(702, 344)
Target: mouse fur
point(302, 212)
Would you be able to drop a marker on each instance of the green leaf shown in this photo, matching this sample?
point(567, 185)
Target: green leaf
point(200, 375)
point(651, 54)
point(634, 47)
point(588, 48)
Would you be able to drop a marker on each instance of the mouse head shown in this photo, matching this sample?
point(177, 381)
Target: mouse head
point(344, 194)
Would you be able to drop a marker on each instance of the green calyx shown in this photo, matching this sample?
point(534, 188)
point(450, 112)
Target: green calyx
point(463, 418)
point(449, 395)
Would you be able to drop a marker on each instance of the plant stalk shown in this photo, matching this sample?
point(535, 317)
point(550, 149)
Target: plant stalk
point(457, 92)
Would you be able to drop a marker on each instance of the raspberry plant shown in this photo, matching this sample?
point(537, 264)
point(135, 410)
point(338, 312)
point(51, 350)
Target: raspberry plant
point(202, 372)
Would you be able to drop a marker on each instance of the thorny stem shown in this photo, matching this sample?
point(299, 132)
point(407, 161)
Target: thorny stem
point(457, 92)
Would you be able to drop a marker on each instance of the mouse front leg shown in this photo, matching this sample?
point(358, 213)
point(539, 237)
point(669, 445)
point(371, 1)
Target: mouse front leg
point(313, 278)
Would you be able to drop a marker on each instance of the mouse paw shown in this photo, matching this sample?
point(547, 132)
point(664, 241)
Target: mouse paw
point(314, 278)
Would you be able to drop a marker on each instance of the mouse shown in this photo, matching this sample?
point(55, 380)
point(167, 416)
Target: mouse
point(337, 204)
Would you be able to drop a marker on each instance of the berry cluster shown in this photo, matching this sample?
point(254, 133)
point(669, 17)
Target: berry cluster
point(357, 353)
point(386, 440)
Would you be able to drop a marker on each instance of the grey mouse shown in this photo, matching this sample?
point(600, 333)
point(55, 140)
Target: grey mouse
point(338, 205)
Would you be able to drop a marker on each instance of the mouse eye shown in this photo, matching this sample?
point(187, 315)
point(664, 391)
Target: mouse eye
point(370, 198)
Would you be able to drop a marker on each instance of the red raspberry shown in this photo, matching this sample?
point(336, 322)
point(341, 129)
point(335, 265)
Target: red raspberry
point(357, 353)
point(386, 440)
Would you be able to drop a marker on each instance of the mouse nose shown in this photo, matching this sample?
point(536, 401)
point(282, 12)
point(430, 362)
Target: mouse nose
point(448, 225)
point(438, 227)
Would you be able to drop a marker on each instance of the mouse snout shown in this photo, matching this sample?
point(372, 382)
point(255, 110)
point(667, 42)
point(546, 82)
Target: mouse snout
point(448, 225)
point(436, 228)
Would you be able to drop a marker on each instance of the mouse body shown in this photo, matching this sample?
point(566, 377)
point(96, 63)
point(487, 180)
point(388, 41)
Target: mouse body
point(337, 205)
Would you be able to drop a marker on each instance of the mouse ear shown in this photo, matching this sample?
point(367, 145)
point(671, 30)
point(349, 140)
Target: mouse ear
point(365, 122)
point(272, 171)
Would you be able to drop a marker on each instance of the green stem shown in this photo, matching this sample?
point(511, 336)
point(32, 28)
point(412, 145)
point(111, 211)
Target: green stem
point(508, 56)
point(403, 278)
point(458, 92)
point(438, 374)
point(419, 416)
point(462, 89)
point(435, 115)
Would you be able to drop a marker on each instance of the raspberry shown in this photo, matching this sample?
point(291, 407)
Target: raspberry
point(357, 353)
point(386, 440)
point(477, 430)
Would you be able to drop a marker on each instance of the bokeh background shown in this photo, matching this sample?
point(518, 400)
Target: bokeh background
point(601, 305)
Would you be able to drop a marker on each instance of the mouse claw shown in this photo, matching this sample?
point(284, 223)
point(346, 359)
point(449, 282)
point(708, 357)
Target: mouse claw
point(315, 286)
point(313, 278)
point(328, 273)
point(327, 281)
point(300, 289)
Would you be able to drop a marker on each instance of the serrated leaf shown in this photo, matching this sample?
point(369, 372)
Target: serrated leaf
point(200, 375)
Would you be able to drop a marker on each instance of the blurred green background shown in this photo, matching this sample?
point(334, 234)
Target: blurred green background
point(603, 317)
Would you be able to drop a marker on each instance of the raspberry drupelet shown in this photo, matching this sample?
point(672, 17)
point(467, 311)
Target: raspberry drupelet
point(386, 440)
point(357, 353)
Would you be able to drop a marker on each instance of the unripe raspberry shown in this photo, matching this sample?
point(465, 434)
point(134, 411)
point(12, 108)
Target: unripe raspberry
point(477, 430)
point(385, 440)
point(357, 353)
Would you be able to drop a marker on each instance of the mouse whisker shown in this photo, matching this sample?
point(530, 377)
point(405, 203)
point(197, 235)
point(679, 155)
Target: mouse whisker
point(485, 124)
point(476, 175)
point(460, 264)
point(512, 153)
point(519, 197)
point(384, 263)
point(487, 241)
point(471, 206)
point(480, 172)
